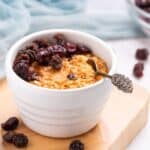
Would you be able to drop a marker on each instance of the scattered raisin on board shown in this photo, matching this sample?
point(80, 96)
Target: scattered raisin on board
point(20, 140)
point(76, 145)
point(10, 124)
point(7, 137)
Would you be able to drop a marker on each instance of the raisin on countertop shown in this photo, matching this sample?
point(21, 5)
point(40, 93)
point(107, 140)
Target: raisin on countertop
point(20, 140)
point(142, 54)
point(10, 124)
point(7, 137)
point(138, 70)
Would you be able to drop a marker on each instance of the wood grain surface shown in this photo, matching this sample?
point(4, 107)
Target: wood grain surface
point(124, 115)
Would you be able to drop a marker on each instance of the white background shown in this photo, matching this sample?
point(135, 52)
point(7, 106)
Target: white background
point(106, 5)
point(125, 51)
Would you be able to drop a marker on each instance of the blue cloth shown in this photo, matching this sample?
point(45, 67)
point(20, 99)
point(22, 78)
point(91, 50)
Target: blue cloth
point(20, 17)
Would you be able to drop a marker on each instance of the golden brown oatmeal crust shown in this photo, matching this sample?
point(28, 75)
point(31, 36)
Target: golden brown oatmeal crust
point(50, 78)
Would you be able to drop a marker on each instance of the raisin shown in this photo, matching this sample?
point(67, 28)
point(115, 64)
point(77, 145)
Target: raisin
point(56, 62)
point(147, 10)
point(138, 74)
point(145, 19)
point(43, 57)
point(22, 56)
point(33, 46)
point(76, 145)
point(142, 54)
point(41, 43)
point(71, 76)
point(71, 47)
point(60, 39)
point(23, 61)
point(57, 49)
point(10, 124)
point(142, 3)
point(22, 70)
point(27, 56)
point(31, 53)
point(139, 66)
point(83, 49)
point(20, 140)
point(7, 137)
point(138, 70)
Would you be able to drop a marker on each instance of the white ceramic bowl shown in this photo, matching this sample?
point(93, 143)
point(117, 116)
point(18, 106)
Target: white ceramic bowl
point(61, 113)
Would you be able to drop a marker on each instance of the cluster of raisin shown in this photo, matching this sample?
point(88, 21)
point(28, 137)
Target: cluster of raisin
point(46, 52)
point(20, 140)
point(141, 55)
point(143, 4)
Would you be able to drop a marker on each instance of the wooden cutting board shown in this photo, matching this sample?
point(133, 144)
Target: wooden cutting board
point(124, 115)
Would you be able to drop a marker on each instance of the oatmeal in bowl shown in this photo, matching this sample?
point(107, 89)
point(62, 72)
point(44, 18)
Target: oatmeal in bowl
point(57, 91)
point(57, 63)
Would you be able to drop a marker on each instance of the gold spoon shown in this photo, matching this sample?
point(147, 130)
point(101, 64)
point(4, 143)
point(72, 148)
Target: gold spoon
point(120, 81)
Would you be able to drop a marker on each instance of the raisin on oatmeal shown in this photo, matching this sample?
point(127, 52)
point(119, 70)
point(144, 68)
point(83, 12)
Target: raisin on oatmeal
point(57, 63)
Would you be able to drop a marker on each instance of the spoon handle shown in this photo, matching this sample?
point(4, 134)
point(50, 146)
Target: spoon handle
point(96, 69)
point(103, 74)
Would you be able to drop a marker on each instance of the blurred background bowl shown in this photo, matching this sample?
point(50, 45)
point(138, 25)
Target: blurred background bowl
point(140, 16)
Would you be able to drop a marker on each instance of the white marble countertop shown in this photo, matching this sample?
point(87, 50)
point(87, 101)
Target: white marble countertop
point(125, 51)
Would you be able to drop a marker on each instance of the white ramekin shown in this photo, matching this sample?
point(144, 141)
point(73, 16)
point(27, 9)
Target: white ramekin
point(61, 113)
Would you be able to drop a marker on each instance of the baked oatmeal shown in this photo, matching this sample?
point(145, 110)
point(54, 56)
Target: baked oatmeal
point(57, 64)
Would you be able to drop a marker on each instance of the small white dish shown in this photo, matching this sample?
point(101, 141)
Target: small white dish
point(61, 113)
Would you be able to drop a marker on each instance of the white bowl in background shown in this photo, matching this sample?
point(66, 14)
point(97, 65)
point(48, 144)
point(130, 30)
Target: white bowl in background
point(55, 112)
point(140, 16)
